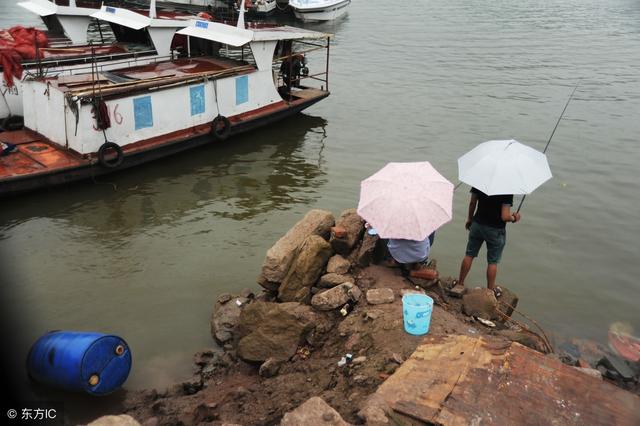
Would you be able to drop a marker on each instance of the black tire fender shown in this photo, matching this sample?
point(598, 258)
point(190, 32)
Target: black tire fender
point(113, 162)
point(220, 128)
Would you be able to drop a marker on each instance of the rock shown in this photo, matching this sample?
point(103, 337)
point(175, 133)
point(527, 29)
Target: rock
point(524, 338)
point(193, 385)
point(273, 330)
point(353, 224)
point(397, 358)
point(305, 270)
point(338, 265)
point(372, 315)
point(359, 360)
point(224, 298)
point(372, 412)
point(480, 302)
point(336, 297)
point(371, 250)
point(205, 412)
point(225, 318)
point(280, 256)
point(121, 420)
point(332, 279)
point(313, 412)
point(152, 421)
point(378, 296)
point(247, 293)
point(359, 379)
point(507, 301)
point(270, 368)
point(590, 371)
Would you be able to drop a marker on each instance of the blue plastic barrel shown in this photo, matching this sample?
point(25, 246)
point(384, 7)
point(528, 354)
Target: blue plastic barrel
point(416, 310)
point(95, 363)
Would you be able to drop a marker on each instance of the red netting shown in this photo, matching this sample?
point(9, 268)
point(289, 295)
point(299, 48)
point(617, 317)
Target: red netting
point(16, 44)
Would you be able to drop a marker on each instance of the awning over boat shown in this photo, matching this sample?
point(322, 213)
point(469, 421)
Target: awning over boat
point(47, 8)
point(124, 17)
point(39, 7)
point(214, 31)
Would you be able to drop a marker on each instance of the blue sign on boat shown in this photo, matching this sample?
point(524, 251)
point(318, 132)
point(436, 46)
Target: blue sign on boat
point(142, 112)
point(95, 363)
point(202, 24)
point(242, 89)
point(197, 99)
point(110, 10)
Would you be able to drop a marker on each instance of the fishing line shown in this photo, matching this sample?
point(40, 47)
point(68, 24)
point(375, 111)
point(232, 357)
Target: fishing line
point(552, 133)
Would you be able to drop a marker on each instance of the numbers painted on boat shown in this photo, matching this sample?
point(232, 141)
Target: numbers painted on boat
point(114, 116)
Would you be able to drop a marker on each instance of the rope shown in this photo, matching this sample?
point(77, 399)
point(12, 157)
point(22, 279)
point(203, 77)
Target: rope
point(544, 337)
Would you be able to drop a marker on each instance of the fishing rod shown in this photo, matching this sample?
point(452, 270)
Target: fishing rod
point(551, 137)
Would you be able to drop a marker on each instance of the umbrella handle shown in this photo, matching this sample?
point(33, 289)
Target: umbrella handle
point(521, 201)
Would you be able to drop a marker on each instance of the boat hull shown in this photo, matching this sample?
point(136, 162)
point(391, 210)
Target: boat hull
point(161, 147)
point(321, 14)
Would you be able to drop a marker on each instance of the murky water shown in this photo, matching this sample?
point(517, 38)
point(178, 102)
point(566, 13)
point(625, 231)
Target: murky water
point(144, 253)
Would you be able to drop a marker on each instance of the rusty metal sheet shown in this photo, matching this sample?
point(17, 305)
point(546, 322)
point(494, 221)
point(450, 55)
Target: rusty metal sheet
point(461, 380)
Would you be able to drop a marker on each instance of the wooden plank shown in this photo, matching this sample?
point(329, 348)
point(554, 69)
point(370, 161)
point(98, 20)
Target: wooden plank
point(460, 380)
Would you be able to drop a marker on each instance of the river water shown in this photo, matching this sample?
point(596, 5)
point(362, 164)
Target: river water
point(144, 253)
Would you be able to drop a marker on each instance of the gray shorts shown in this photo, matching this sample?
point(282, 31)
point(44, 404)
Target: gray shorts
point(494, 237)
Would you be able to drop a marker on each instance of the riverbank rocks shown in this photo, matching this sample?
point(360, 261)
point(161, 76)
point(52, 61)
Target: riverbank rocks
point(273, 330)
point(338, 265)
point(336, 297)
point(305, 270)
point(224, 318)
point(371, 250)
point(313, 412)
point(378, 296)
point(351, 227)
point(280, 256)
point(480, 302)
point(331, 280)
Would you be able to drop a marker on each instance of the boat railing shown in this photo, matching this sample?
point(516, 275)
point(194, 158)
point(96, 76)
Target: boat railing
point(295, 81)
point(88, 59)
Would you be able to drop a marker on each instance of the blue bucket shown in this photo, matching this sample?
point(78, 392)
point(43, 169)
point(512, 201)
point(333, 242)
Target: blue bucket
point(416, 310)
point(95, 363)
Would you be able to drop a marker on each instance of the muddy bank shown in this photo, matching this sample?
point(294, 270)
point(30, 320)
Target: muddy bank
point(327, 323)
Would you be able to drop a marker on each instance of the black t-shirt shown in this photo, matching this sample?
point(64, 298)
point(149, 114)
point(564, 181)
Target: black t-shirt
point(489, 210)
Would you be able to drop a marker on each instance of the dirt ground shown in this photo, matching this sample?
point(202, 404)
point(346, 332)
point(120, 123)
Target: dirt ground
point(228, 390)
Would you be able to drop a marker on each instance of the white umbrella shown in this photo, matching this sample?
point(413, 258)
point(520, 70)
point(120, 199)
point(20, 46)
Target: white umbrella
point(504, 167)
point(406, 200)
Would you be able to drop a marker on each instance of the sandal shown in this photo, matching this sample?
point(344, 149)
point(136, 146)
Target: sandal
point(497, 291)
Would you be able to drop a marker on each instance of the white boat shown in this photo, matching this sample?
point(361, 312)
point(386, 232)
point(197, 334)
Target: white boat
point(80, 126)
point(319, 10)
point(261, 7)
point(140, 39)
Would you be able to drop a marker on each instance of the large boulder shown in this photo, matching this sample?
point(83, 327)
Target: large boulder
point(313, 412)
point(280, 256)
point(305, 270)
point(225, 316)
point(353, 226)
point(273, 330)
point(336, 297)
point(480, 302)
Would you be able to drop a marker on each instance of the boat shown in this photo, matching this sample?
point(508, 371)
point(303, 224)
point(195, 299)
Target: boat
point(83, 126)
point(141, 37)
point(71, 20)
point(319, 10)
point(261, 7)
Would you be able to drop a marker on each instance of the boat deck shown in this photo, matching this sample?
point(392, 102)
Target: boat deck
point(34, 155)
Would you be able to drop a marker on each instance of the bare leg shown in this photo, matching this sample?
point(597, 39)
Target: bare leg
point(465, 267)
point(492, 271)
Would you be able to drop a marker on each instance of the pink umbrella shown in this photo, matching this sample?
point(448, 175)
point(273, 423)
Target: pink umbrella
point(406, 200)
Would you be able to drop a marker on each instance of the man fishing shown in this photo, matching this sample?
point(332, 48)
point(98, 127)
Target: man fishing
point(487, 223)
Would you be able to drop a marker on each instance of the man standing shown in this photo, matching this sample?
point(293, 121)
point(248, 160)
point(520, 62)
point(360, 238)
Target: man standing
point(487, 225)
